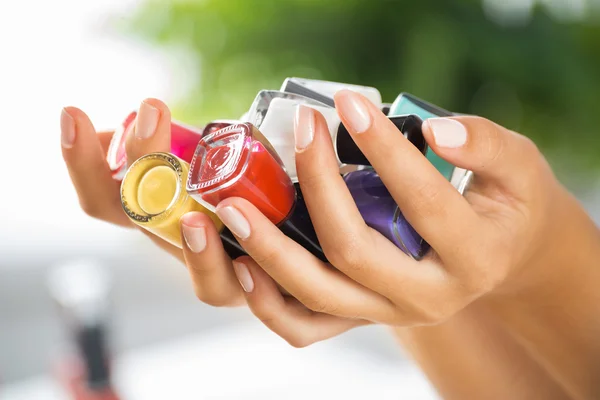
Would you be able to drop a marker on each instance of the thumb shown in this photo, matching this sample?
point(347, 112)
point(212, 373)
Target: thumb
point(489, 150)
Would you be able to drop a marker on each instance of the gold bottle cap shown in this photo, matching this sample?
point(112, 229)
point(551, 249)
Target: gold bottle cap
point(153, 195)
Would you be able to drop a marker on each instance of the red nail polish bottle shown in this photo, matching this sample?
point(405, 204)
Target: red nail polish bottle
point(215, 125)
point(238, 161)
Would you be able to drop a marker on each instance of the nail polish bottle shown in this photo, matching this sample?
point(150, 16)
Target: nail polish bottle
point(380, 212)
point(216, 125)
point(238, 161)
point(81, 292)
point(323, 91)
point(408, 104)
point(153, 196)
point(273, 113)
point(385, 108)
point(183, 144)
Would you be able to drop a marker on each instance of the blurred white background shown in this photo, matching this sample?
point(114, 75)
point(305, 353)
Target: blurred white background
point(59, 53)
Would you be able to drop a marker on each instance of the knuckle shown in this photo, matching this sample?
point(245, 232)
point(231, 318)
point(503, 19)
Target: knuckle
point(428, 192)
point(487, 273)
point(348, 254)
point(493, 145)
point(347, 259)
point(536, 166)
point(312, 181)
point(91, 208)
point(265, 313)
point(298, 341)
point(212, 299)
point(480, 283)
point(432, 313)
point(529, 145)
point(319, 304)
point(267, 255)
point(426, 201)
point(436, 314)
point(267, 319)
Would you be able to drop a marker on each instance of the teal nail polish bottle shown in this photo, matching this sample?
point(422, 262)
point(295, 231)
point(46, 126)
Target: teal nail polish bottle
point(408, 104)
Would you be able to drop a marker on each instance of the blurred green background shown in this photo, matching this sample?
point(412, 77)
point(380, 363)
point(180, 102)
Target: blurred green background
point(533, 66)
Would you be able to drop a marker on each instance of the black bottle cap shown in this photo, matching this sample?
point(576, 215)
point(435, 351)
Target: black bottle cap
point(231, 245)
point(299, 227)
point(410, 126)
point(293, 87)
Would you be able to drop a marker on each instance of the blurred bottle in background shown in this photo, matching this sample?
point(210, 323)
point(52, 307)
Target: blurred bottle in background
point(81, 291)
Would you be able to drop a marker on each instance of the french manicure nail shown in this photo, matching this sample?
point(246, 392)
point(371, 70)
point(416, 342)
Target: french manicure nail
point(243, 275)
point(67, 129)
point(354, 111)
point(147, 121)
point(195, 237)
point(304, 127)
point(448, 132)
point(235, 221)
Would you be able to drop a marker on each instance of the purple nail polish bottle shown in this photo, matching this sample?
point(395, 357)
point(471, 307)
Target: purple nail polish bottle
point(380, 212)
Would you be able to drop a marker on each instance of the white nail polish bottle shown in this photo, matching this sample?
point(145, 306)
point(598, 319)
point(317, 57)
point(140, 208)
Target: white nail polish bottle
point(273, 113)
point(323, 91)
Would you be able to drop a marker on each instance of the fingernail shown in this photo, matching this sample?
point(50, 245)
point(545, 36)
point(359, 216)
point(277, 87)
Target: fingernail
point(235, 221)
point(147, 121)
point(304, 127)
point(67, 129)
point(354, 111)
point(243, 274)
point(195, 237)
point(448, 132)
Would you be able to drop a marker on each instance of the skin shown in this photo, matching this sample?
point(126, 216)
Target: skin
point(505, 296)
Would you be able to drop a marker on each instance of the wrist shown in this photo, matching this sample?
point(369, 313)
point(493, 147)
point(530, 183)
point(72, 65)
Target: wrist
point(554, 312)
point(563, 260)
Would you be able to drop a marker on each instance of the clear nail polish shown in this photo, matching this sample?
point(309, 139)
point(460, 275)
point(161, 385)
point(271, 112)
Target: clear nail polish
point(67, 130)
point(304, 127)
point(244, 277)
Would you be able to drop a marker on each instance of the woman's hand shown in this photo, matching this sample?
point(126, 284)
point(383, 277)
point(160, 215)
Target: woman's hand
point(495, 240)
point(84, 152)
point(516, 241)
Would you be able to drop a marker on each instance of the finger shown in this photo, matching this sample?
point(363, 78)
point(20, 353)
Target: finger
point(163, 244)
point(104, 138)
point(286, 316)
point(327, 198)
point(430, 203)
point(98, 192)
point(422, 295)
point(318, 287)
point(152, 131)
point(491, 151)
point(353, 248)
point(210, 267)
